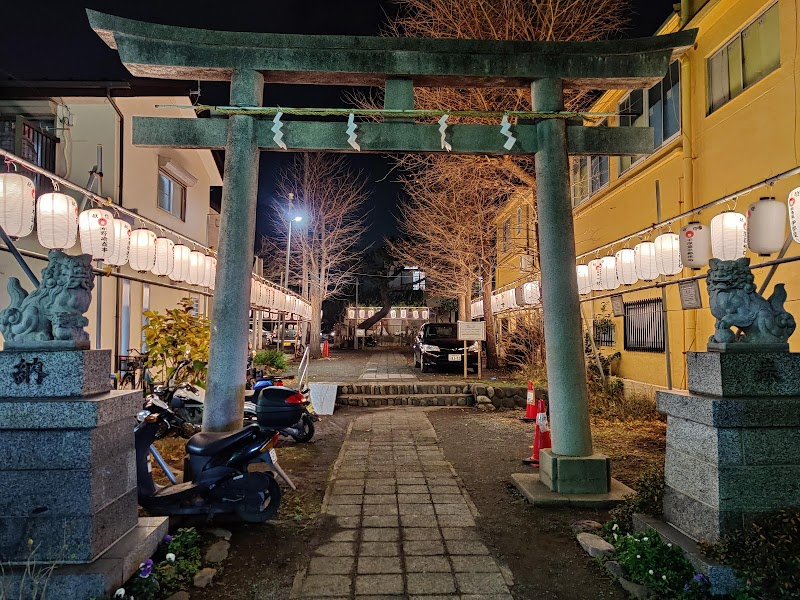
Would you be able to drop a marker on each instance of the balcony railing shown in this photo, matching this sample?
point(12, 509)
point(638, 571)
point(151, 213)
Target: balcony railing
point(28, 141)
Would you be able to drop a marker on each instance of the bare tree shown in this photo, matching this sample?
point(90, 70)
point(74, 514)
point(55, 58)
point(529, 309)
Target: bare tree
point(480, 182)
point(330, 198)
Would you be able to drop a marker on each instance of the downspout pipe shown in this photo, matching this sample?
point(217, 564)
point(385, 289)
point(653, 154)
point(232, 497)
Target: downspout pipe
point(120, 169)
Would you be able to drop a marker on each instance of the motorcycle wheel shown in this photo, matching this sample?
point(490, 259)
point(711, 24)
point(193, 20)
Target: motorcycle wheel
point(261, 506)
point(307, 423)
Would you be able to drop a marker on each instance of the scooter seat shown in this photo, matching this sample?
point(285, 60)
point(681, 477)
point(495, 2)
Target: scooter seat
point(207, 443)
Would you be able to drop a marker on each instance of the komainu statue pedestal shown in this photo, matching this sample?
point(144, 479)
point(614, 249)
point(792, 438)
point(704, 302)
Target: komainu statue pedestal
point(68, 474)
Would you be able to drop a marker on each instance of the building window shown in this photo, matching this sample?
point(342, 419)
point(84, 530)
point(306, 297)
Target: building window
point(658, 107)
point(644, 325)
point(752, 54)
point(506, 235)
point(589, 175)
point(171, 195)
point(604, 332)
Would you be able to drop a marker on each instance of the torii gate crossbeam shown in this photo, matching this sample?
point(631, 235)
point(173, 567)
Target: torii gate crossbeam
point(399, 64)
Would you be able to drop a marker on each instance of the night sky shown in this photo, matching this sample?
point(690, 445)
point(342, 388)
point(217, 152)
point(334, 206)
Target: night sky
point(52, 40)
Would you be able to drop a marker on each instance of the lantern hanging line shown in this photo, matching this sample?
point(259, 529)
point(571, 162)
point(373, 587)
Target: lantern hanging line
point(11, 158)
point(726, 199)
point(100, 201)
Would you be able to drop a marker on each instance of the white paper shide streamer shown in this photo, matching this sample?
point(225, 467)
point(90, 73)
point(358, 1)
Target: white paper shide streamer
point(276, 129)
point(505, 129)
point(443, 132)
point(351, 132)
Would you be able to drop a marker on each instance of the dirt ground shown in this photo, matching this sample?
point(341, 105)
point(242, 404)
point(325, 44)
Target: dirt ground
point(485, 449)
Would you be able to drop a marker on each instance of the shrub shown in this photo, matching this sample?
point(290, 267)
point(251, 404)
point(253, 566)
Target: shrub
point(175, 335)
point(272, 359)
point(765, 555)
point(648, 499)
point(647, 560)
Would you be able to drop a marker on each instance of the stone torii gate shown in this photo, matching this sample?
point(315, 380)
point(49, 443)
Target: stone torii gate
point(247, 60)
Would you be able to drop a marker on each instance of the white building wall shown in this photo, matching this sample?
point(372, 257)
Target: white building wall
point(96, 122)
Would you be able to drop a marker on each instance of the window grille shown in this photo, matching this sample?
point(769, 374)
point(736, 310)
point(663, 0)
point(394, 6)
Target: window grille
point(604, 333)
point(644, 325)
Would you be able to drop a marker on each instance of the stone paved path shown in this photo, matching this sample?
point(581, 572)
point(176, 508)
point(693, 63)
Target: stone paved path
point(407, 526)
point(384, 366)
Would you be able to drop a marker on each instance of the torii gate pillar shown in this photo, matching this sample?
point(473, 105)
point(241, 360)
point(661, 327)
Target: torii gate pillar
point(570, 467)
point(237, 229)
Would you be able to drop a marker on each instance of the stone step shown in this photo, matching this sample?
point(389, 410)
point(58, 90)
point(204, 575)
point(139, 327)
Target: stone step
point(395, 389)
point(366, 400)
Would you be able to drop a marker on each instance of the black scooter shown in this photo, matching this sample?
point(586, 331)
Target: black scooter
point(216, 476)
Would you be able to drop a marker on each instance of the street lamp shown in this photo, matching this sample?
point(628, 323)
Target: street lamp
point(292, 219)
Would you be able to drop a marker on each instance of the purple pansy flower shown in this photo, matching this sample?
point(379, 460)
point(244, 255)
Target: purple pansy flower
point(146, 568)
point(167, 539)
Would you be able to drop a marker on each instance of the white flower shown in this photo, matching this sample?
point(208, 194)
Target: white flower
point(616, 537)
point(644, 539)
point(669, 545)
point(615, 527)
point(638, 556)
point(170, 557)
point(650, 571)
point(664, 577)
point(120, 593)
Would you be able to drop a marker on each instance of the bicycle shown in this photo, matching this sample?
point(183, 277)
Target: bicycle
point(135, 364)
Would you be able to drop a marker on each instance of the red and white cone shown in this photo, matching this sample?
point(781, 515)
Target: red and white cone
point(530, 405)
point(541, 437)
point(326, 351)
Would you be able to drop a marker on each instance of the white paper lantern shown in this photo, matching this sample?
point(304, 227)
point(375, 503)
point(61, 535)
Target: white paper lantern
point(180, 268)
point(57, 221)
point(531, 293)
point(584, 279)
point(695, 242)
point(403, 313)
point(122, 243)
point(425, 314)
point(608, 273)
point(212, 284)
point(595, 279)
point(96, 227)
point(253, 291)
point(264, 291)
point(165, 257)
point(794, 213)
point(668, 254)
point(197, 268)
point(729, 235)
point(17, 204)
point(208, 266)
point(645, 261)
point(766, 226)
point(626, 266)
point(351, 313)
point(143, 250)
point(393, 314)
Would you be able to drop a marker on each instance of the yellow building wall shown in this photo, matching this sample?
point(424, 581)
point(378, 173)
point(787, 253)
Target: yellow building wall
point(750, 139)
point(753, 137)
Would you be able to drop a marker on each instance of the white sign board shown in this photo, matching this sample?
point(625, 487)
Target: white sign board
point(361, 332)
point(690, 295)
point(617, 305)
point(472, 331)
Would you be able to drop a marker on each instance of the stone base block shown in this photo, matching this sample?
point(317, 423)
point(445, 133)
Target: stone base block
point(575, 474)
point(62, 414)
point(538, 494)
point(731, 412)
point(736, 374)
point(66, 539)
point(721, 577)
point(100, 578)
point(54, 374)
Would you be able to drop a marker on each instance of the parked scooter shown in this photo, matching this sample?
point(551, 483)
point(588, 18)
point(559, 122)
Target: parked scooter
point(216, 476)
point(271, 392)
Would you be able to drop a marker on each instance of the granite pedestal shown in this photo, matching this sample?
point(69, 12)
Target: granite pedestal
point(68, 472)
point(733, 441)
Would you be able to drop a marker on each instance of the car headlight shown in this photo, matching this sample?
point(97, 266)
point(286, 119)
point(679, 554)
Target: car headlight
point(474, 347)
point(428, 348)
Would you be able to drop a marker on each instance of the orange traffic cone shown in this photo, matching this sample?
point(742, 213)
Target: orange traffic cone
point(541, 437)
point(530, 406)
point(326, 351)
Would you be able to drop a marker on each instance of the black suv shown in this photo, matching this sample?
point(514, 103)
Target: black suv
point(437, 345)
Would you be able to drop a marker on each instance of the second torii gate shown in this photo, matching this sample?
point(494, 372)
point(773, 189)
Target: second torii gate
point(399, 64)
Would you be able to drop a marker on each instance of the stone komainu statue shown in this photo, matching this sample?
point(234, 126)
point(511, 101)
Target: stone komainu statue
point(735, 303)
point(54, 310)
